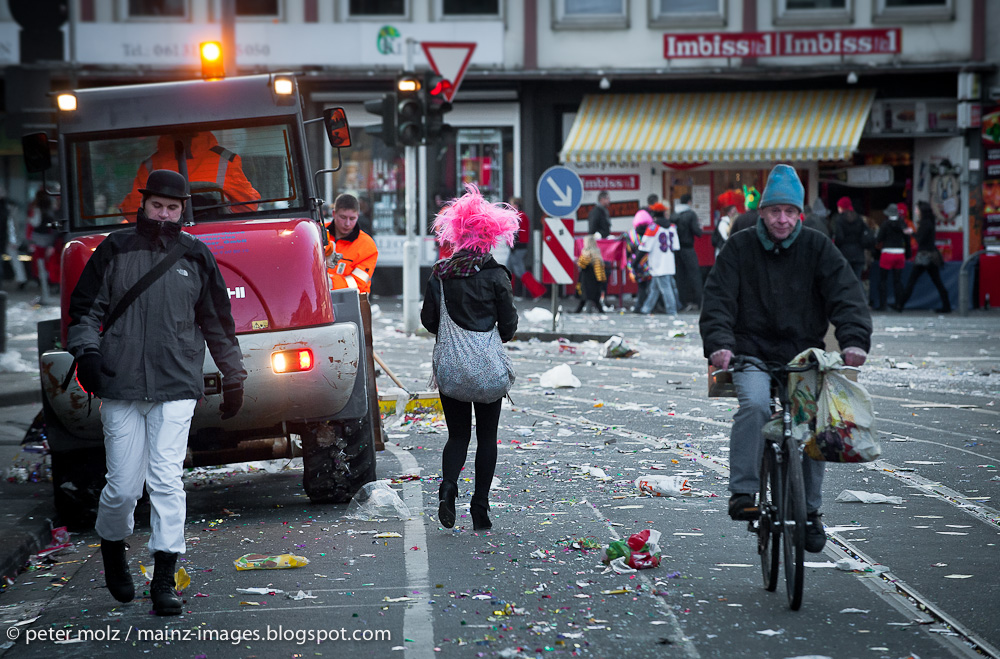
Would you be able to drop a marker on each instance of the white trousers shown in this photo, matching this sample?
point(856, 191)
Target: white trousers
point(145, 442)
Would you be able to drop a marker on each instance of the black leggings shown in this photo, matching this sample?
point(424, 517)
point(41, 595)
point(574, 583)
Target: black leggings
point(458, 416)
point(935, 274)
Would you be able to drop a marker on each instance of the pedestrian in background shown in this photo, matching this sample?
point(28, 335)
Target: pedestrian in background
point(816, 218)
point(928, 259)
point(592, 275)
point(11, 241)
point(894, 245)
point(851, 235)
point(147, 369)
point(688, 271)
point(478, 297)
point(636, 260)
point(660, 243)
point(599, 220)
point(516, 260)
point(729, 204)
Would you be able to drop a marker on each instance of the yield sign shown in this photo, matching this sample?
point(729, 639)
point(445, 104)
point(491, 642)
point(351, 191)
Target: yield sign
point(449, 60)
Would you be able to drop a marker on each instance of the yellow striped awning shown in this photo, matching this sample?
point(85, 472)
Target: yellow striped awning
point(718, 127)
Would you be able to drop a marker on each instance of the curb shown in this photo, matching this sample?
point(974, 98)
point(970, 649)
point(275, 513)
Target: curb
point(33, 533)
point(22, 397)
point(573, 337)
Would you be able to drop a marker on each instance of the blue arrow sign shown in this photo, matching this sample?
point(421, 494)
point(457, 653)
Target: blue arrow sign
point(559, 191)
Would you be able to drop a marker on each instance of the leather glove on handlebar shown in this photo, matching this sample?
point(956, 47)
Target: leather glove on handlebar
point(89, 367)
point(232, 400)
point(854, 356)
point(721, 358)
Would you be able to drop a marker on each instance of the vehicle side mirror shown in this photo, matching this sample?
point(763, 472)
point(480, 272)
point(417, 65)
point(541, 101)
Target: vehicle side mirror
point(37, 156)
point(337, 130)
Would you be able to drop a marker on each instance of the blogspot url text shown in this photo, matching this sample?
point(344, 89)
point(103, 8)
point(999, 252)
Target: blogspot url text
point(200, 634)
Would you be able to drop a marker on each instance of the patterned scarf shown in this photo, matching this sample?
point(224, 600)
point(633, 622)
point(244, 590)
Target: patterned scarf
point(461, 264)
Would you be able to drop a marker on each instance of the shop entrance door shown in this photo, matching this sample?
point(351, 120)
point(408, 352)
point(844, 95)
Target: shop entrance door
point(479, 161)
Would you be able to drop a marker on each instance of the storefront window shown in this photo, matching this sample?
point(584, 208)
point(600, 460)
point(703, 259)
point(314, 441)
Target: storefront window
point(377, 7)
point(667, 13)
point(373, 173)
point(813, 12)
point(257, 8)
point(470, 7)
point(590, 13)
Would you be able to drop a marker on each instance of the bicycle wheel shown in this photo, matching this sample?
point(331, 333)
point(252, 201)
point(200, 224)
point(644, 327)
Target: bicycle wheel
point(793, 527)
point(768, 535)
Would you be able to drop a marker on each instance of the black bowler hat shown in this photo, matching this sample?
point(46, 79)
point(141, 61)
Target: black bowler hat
point(166, 183)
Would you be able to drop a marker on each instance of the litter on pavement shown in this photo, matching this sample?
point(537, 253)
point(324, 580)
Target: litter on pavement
point(559, 376)
point(265, 562)
point(860, 496)
point(377, 501)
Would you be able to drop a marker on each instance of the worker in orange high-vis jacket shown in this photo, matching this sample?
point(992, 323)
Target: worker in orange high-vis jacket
point(351, 253)
point(207, 162)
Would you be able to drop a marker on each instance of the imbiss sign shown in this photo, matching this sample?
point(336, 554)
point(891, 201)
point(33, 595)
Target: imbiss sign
point(782, 44)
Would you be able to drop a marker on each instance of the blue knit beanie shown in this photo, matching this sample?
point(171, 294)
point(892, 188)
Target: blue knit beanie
point(783, 187)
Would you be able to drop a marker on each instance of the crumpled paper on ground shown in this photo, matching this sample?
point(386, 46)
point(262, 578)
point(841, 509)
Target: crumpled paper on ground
point(377, 501)
point(538, 315)
point(615, 347)
point(860, 496)
point(559, 376)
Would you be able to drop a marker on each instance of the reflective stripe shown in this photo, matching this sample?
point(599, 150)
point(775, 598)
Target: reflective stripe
point(350, 282)
point(361, 274)
point(225, 156)
point(894, 250)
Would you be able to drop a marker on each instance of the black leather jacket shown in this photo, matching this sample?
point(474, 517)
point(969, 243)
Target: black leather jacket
point(476, 303)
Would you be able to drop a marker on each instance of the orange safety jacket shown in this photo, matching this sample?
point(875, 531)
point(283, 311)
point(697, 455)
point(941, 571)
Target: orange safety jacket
point(351, 260)
point(207, 162)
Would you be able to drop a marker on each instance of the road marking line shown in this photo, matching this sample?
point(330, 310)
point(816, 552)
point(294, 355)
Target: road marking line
point(418, 621)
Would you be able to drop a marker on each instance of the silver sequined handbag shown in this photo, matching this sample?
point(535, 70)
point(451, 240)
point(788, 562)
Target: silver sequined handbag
point(470, 366)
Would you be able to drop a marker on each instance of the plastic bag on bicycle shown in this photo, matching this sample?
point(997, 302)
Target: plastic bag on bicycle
point(832, 415)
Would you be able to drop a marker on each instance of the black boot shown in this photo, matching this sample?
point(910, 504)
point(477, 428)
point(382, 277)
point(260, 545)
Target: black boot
point(116, 572)
point(446, 503)
point(161, 590)
point(480, 515)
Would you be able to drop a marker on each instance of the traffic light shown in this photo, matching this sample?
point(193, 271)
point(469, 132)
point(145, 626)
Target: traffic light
point(212, 66)
point(384, 107)
point(436, 105)
point(409, 110)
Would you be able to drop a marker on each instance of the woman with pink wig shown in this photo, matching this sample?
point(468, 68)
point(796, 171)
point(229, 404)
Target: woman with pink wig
point(478, 296)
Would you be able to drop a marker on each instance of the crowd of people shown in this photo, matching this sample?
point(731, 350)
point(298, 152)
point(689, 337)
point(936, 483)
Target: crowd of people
point(661, 260)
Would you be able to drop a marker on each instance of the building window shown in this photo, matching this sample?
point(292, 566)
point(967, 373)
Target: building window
point(813, 12)
point(688, 13)
point(376, 8)
point(258, 8)
point(912, 11)
point(596, 14)
point(157, 8)
point(463, 8)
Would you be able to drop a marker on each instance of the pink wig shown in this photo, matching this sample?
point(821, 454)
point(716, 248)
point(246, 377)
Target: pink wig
point(471, 222)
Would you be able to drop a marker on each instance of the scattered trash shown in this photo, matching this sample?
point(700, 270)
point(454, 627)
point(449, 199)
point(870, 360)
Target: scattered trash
point(596, 472)
point(538, 315)
point(388, 534)
point(376, 501)
point(860, 496)
point(616, 348)
point(640, 551)
point(299, 596)
point(265, 562)
point(852, 610)
point(850, 565)
point(559, 376)
point(181, 578)
point(259, 591)
point(663, 486)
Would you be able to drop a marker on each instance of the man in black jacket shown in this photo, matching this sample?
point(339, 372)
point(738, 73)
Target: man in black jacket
point(688, 271)
point(773, 292)
point(147, 368)
point(599, 220)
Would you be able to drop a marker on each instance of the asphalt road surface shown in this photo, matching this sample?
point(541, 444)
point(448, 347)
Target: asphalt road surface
point(923, 582)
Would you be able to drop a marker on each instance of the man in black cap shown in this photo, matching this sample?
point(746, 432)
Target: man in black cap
point(144, 359)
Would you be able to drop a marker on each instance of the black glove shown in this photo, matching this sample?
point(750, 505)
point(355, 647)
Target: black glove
point(88, 370)
point(232, 400)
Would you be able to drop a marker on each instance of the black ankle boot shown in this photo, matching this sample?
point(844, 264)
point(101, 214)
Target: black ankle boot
point(116, 572)
point(446, 503)
point(480, 516)
point(161, 590)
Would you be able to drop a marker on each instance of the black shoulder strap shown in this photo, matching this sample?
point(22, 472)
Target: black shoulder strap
point(179, 249)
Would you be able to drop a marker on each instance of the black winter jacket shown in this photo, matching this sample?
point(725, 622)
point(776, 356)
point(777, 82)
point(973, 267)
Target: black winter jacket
point(476, 303)
point(774, 303)
point(851, 235)
point(891, 234)
point(157, 347)
point(688, 226)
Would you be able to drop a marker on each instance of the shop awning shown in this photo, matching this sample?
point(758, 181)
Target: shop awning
point(718, 127)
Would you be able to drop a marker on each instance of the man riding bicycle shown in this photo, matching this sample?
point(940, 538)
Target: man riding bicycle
point(773, 292)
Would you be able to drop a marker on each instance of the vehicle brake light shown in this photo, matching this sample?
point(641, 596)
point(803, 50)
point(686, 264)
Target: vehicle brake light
point(292, 361)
